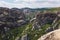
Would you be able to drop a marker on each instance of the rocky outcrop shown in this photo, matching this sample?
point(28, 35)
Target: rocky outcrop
point(25, 37)
point(45, 18)
point(54, 35)
point(55, 24)
point(11, 18)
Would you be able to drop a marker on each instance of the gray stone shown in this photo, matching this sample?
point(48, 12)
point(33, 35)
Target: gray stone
point(25, 37)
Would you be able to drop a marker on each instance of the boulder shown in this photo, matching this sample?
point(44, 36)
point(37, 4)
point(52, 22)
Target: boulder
point(25, 37)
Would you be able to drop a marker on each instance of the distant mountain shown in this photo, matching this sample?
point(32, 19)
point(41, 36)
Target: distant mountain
point(35, 9)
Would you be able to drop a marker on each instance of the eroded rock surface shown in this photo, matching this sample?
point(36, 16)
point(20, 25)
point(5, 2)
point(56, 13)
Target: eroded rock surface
point(45, 18)
point(11, 18)
point(54, 35)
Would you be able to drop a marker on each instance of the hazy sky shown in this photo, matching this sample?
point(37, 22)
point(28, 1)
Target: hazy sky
point(29, 3)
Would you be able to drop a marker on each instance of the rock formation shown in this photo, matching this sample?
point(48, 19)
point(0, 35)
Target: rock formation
point(11, 18)
point(45, 18)
point(54, 35)
point(25, 37)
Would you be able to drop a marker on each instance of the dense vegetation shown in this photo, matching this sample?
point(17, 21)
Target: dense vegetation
point(25, 29)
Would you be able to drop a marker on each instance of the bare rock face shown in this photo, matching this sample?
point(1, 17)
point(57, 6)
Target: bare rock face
point(54, 35)
point(25, 37)
point(45, 18)
point(11, 18)
point(42, 19)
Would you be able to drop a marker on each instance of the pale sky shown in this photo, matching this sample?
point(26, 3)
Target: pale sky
point(29, 3)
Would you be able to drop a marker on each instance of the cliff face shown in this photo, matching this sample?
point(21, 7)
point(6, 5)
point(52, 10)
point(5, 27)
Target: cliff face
point(11, 18)
point(46, 18)
point(54, 21)
point(14, 19)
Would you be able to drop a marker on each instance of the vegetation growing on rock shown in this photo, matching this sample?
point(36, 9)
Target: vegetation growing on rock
point(15, 24)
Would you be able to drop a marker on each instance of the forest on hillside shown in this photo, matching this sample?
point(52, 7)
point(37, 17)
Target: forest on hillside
point(27, 23)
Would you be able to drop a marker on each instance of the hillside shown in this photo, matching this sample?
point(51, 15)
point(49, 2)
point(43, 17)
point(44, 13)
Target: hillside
point(27, 23)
